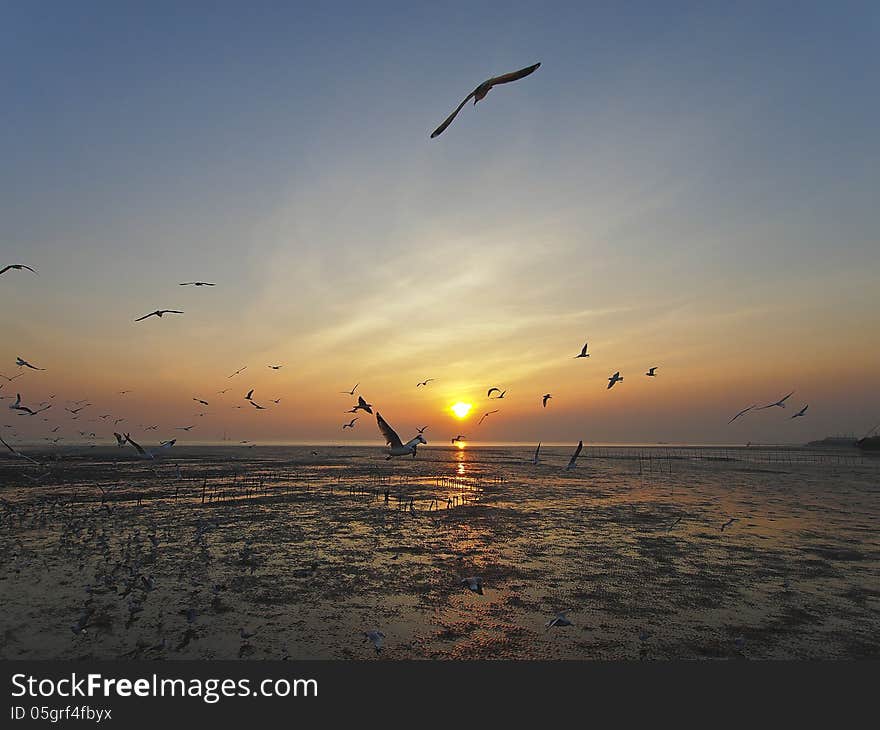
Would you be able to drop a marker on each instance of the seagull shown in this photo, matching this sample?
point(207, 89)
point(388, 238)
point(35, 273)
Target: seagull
point(500, 393)
point(240, 370)
point(651, 373)
point(801, 412)
point(18, 453)
point(614, 379)
point(275, 367)
point(480, 93)
point(545, 398)
point(120, 439)
point(257, 406)
point(159, 313)
point(474, 584)
point(29, 412)
point(458, 438)
point(350, 392)
point(395, 446)
point(8, 379)
point(778, 404)
point(422, 429)
point(362, 405)
point(492, 390)
point(485, 416)
point(425, 382)
point(185, 428)
point(249, 395)
point(276, 401)
point(18, 267)
point(558, 620)
point(728, 523)
point(376, 637)
point(572, 462)
point(536, 459)
point(741, 413)
point(26, 364)
point(151, 454)
point(584, 352)
point(197, 283)
point(203, 402)
point(350, 424)
point(74, 411)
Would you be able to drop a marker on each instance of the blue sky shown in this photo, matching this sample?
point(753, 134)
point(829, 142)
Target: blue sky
point(693, 184)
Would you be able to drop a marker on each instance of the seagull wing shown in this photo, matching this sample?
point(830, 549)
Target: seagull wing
point(391, 438)
point(151, 314)
point(136, 445)
point(491, 390)
point(513, 75)
point(437, 132)
point(574, 456)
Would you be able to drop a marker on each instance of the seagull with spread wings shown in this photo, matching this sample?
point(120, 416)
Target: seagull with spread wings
point(25, 364)
point(349, 392)
point(395, 446)
point(240, 370)
point(741, 413)
point(480, 92)
point(651, 373)
point(572, 462)
point(197, 283)
point(362, 405)
point(537, 459)
point(159, 313)
point(801, 412)
point(777, 404)
point(18, 267)
point(424, 382)
point(485, 416)
point(584, 352)
point(545, 398)
point(614, 379)
point(350, 424)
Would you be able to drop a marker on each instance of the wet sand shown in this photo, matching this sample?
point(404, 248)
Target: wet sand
point(304, 551)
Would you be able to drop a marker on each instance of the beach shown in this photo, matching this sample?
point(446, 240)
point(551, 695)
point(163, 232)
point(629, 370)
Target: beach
point(103, 556)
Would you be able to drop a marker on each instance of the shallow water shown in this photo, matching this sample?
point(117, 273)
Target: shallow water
point(305, 551)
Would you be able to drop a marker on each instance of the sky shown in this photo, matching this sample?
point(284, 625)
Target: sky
point(688, 185)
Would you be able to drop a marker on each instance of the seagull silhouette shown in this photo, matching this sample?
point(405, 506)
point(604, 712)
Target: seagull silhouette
point(424, 382)
point(18, 267)
point(350, 392)
point(545, 398)
point(240, 370)
point(778, 404)
point(159, 313)
point(350, 424)
point(651, 373)
point(584, 352)
point(480, 93)
point(486, 415)
point(741, 413)
point(197, 283)
point(572, 462)
point(801, 412)
point(24, 363)
point(613, 380)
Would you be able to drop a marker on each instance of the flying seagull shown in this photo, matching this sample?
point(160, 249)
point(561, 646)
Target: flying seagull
point(614, 379)
point(19, 267)
point(424, 382)
point(584, 352)
point(572, 462)
point(778, 404)
point(275, 367)
point(422, 429)
point(480, 93)
point(257, 406)
point(485, 416)
point(236, 372)
point(203, 402)
point(362, 405)
point(350, 424)
point(651, 373)
point(8, 379)
point(24, 363)
point(249, 395)
point(536, 459)
point(159, 313)
point(741, 413)
point(728, 523)
point(801, 412)
point(458, 438)
point(492, 390)
point(545, 398)
point(395, 446)
point(350, 392)
point(197, 283)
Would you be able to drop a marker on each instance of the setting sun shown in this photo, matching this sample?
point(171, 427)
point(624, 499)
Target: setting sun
point(461, 409)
